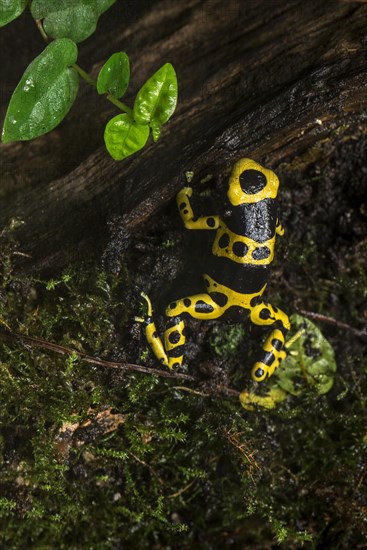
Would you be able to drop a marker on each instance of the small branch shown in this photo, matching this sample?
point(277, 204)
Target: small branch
point(5, 332)
point(228, 391)
point(42, 30)
point(85, 76)
point(235, 439)
point(183, 490)
point(43, 344)
point(190, 390)
point(334, 322)
point(160, 480)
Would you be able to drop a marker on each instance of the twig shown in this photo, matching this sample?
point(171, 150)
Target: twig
point(5, 332)
point(234, 438)
point(160, 480)
point(190, 390)
point(43, 344)
point(83, 74)
point(183, 490)
point(228, 391)
point(334, 322)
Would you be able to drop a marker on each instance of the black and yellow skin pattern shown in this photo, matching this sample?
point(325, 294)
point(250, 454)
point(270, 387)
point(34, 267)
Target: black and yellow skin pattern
point(238, 268)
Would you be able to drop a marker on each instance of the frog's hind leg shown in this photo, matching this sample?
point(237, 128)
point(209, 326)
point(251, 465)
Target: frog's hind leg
point(151, 334)
point(199, 306)
point(174, 341)
point(273, 349)
point(170, 352)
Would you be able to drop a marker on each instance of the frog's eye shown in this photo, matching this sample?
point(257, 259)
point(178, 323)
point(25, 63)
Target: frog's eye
point(252, 181)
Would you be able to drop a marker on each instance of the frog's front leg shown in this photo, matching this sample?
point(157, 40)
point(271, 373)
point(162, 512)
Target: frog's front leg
point(273, 349)
point(279, 229)
point(187, 214)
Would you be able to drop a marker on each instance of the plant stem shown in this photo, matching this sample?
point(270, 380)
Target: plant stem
point(85, 76)
point(120, 104)
point(42, 30)
point(93, 83)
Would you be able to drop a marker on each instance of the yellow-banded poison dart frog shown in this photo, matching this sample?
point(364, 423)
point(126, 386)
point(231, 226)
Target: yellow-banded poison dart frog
point(238, 270)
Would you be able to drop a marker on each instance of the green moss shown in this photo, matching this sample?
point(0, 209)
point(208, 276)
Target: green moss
point(225, 339)
point(101, 458)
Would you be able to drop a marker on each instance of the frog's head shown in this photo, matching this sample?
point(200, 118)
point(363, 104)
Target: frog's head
point(250, 182)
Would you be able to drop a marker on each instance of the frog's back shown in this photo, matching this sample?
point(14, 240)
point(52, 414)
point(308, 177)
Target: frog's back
point(243, 247)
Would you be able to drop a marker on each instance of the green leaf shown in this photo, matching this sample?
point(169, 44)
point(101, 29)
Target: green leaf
point(74, 19)
point(10, 10)
point(311, 357)
point(157, 98)
point(123, 136)
point(44, 94)
point(114, 76)
point(156, 130)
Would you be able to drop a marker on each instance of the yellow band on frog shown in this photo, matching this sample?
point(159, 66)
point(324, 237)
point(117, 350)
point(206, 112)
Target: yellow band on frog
point(234, 298)
point(241, 249)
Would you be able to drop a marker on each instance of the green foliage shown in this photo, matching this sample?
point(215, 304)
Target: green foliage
point(225, 339)
point(309, 366)
point(10, 10)
point(74, 19)
point(6, 505)
point(154, 105)
point(311, 357)
point(49, 86)
point(44, 94)
point(156, 100)
point(114, 76)
point(123, 136)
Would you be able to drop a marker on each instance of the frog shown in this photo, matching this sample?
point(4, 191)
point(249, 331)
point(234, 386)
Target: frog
point(237, 269)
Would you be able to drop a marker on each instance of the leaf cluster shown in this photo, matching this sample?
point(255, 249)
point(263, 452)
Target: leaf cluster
point(49, 85)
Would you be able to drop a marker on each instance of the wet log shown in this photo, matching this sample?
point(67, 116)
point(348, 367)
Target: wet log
point(263, 79)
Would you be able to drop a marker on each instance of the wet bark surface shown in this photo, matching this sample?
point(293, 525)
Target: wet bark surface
point(268, 80)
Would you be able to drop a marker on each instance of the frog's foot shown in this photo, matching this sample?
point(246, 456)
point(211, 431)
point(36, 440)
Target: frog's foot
point(249, 399)
point(272, 357)
point(289, 343)
point(148, 318)
point(151, 334)
point(273, 349)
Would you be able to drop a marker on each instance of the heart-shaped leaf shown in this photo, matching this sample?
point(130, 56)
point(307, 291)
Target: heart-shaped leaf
point(44, 94)
point(114, 76)
point(123, 136)
point(310, 357)
point(157, 98)
point(10, 10)
point(74, 19)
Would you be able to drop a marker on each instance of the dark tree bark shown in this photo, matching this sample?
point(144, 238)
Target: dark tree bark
point(264, 79)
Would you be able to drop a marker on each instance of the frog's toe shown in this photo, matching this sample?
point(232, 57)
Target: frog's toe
point(246, 400)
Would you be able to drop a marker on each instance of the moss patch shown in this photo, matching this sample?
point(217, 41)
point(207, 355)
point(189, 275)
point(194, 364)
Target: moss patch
point(104, 459)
